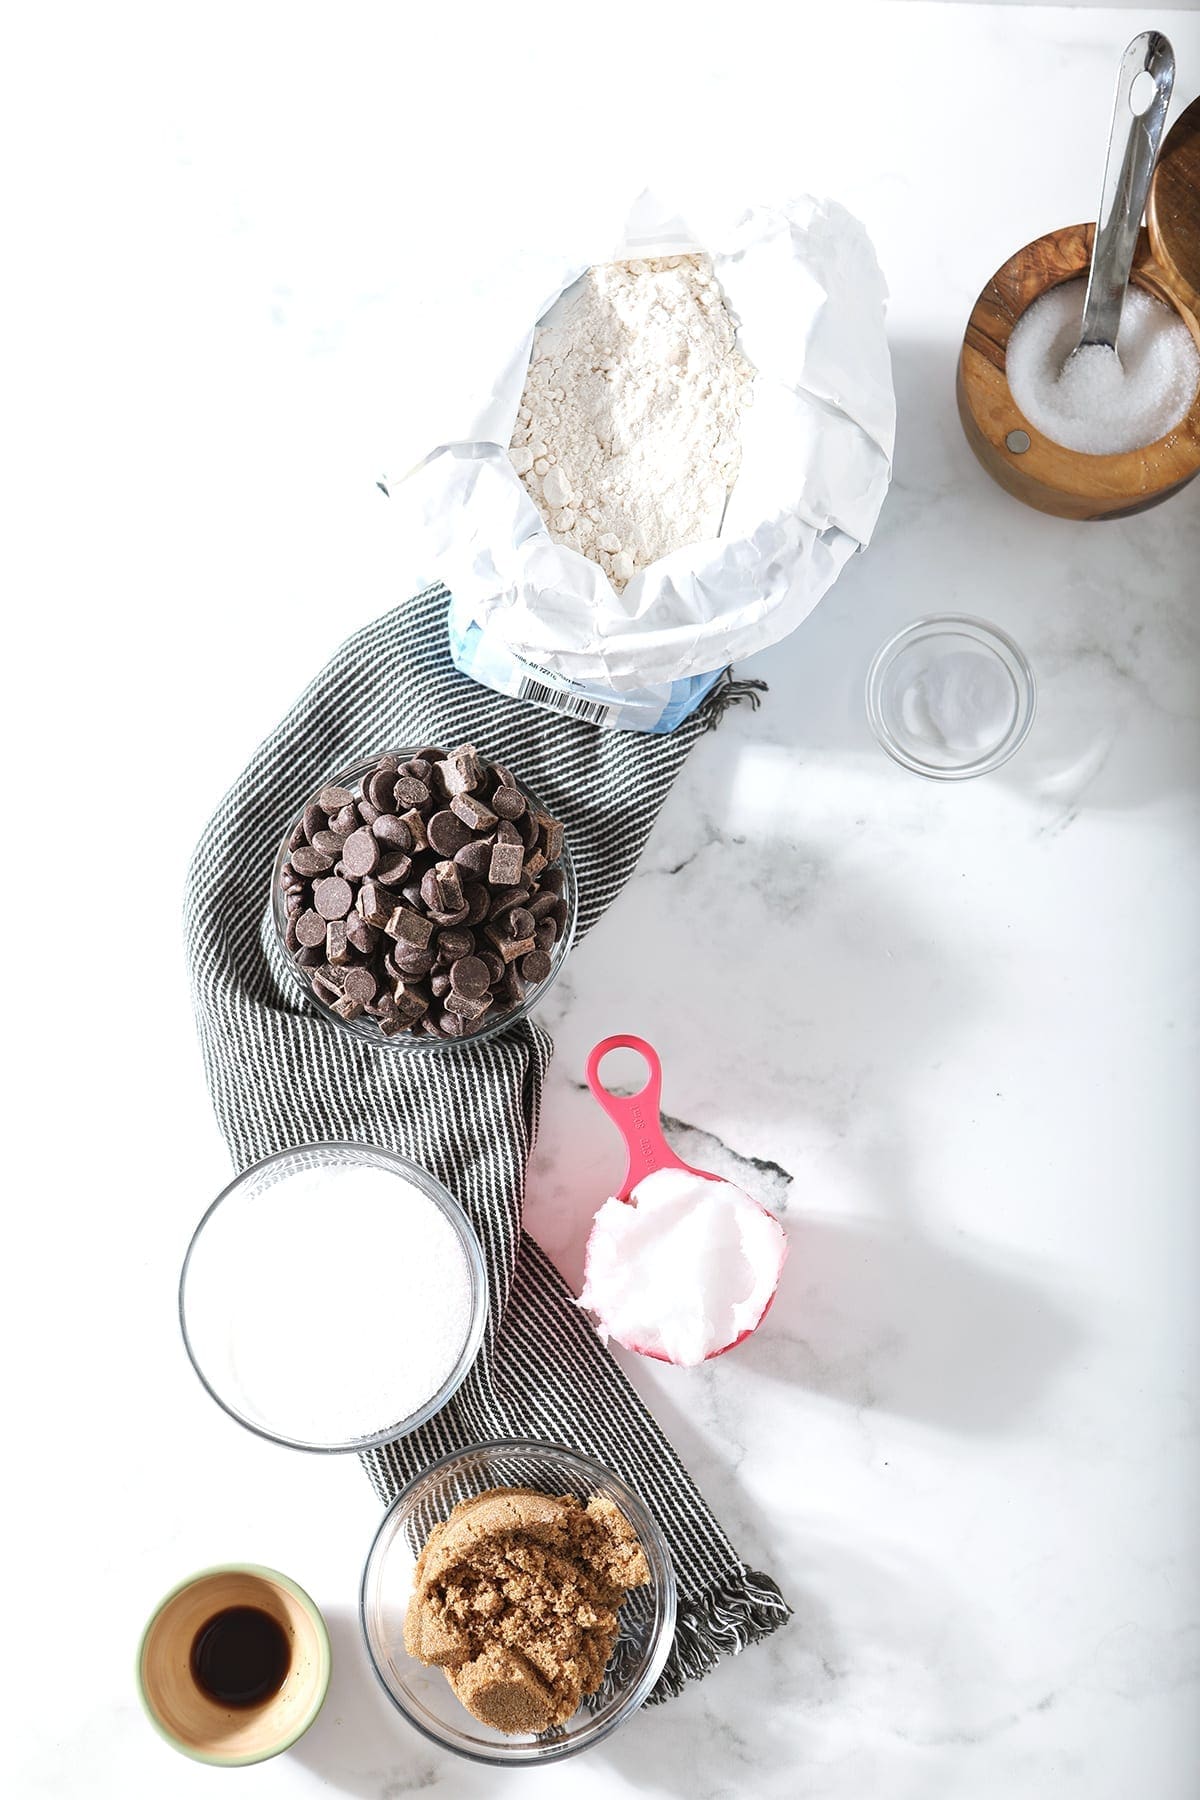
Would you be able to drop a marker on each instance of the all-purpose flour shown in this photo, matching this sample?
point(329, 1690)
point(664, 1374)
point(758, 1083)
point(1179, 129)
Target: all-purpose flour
point(628, 435)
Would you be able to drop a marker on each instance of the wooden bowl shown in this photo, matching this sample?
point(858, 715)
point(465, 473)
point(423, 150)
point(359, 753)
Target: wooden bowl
point(185, 1714)
point(1167, 264)
point(1029, 465)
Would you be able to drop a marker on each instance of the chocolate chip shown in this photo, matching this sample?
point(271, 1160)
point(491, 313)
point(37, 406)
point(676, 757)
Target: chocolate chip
point(492, 963)
point(297, 838)
point(520, 922)
point(409, 960)
point(309, 956)
point(380, 791)
point(331, 799)
point(368, 813)
point(393, 870)
point(329, 842)
point(410, 792)
point(361, 852)
point(478, 901)
point(455, 943)
point(361, 984)
point(535, 966)
point(510, 948)
point(439, 984)
point(508, 802)
point(541, 904)
point(447, 833)
point(546, 934)
point(474, 858)
point(310, 930)
point(291, 941)
point(307, 861)
point(392, 831)
point(554, 881)
point(469, 975)
point(508, 833)
point(314, 820)
point(333, 897)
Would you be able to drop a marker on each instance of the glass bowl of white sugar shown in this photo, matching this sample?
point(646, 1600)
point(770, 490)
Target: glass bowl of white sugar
point(950, 697)
point(333, 1297)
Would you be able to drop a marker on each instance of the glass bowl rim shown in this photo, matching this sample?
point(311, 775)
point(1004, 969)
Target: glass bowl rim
point(988, 636)
point(665, 1587)
point(467, 1236)
point(408, 1042)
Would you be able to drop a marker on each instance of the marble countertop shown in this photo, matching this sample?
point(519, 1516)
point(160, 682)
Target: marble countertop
point(946, 1030)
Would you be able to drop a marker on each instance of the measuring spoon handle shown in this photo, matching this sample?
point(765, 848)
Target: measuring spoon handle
point(636, 1116)
point(1132, 152)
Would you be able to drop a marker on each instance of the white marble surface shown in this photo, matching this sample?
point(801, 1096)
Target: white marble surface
point(950, 1033)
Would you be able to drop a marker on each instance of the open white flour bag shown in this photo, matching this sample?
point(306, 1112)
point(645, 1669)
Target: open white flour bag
point(537, 618)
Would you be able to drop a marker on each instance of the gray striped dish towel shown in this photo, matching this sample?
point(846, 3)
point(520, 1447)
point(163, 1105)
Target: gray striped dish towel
point(280, 1076)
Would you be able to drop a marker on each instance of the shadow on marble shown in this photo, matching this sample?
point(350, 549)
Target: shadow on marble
point(359, 1744)
point(1105, 611)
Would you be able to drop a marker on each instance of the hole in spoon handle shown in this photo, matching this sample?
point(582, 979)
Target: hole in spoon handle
point(636, 1116)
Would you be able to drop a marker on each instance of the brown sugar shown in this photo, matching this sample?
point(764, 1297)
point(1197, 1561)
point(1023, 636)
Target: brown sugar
point(516, 1597)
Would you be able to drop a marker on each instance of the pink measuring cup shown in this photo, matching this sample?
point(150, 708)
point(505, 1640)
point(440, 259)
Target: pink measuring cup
point(638, 1119)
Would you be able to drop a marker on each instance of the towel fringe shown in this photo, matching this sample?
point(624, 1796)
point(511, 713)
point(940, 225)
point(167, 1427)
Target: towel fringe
point(739, 1611)
point(729, 691)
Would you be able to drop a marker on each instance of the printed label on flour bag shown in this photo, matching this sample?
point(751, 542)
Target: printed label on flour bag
point(657, 710)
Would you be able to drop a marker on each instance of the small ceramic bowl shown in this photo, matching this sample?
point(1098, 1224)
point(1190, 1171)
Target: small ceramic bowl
point(422, 1693)
point(365, 1028)
point(185, 1714)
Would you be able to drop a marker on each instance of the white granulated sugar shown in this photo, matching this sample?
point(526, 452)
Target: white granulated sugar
point(330, 1306)
point(628, 435)
point(683, 1269)
point(1098, 402)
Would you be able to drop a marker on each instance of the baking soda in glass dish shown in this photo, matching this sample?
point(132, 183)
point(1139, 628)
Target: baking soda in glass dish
point(330, 1305)
point(1100, 403)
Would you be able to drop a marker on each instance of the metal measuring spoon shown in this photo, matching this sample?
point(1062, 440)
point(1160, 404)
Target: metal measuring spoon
point(1132, 152)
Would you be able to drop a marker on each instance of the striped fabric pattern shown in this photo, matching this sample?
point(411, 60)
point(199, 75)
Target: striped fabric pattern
point(279, 1075)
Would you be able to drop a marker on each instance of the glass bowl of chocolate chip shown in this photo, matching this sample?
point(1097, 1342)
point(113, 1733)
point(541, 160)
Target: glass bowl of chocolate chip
point(424, 897)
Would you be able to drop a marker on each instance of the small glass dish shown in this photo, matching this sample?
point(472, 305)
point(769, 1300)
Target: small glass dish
point(227, 1246)
point(422, 1693)
point(950, 697)
point(365, 1028)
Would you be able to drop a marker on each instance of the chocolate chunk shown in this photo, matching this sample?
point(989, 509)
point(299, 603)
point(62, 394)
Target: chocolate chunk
point(394, 869)
point(323, 988)
point(362, 936)
point(467, 1006)
point(307, 861)
point(508, 802)
point(375, 903)
point(470, 976)
point(461, 772)
point(331, 799)
point(361, 984)
point(333, 897)
point(507, 860)
point(392, 831)
point(361, 852)
point(474, 858)
point(347, 1007)
point(430, 896)
point(508, 833)
point(471, 810)
point(337, 944)
point(410, 927)
point(447, 833)
point(449, 887)
point(310, 930)
point(534, 864)
point(410, 792)
point(510, 948)
point(535, 966)
point(411, 999)
point(416, 828)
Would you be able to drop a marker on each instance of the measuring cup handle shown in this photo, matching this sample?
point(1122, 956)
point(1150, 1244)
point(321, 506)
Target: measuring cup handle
point(636, 1116)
